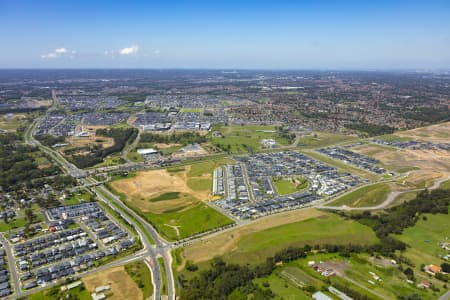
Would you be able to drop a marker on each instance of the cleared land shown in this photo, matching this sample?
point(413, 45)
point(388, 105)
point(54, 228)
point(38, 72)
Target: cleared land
point(92, 139)
point(122, 286)
point(10, 122)
point(439, 133)
point(371, 195)
point(262, 238)
point(172, 199)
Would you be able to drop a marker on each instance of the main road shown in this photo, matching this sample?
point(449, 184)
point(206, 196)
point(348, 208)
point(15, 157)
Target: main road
point(160, 248)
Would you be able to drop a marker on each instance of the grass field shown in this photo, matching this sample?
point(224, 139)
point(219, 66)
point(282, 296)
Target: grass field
point(166, 196)
point(239, 138)
point(186, 222)
point(55, 293)
point(12, 224)
point(327, 229)
point(282, 288)
point(163, 276)
point(135, 157)
point(323, 139)
point(77, 197)
point(141, 275)
point(286, 186)
point(367, 196)
point(425, 237)
point(445, 185)
point(191, 109)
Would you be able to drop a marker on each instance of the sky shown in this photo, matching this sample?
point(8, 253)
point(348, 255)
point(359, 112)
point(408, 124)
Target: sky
point(232, 34)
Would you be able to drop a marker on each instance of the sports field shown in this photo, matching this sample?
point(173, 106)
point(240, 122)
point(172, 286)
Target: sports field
point(367, 196)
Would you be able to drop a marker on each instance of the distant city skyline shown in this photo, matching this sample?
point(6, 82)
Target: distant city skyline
point(348, 35)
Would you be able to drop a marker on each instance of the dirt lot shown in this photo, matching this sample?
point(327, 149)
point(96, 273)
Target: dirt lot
point(165, 146)
point(439, 133)
point(122, 286)
point(91, 139)
point(423, 166)
point(224, 242)
point(184, 154)
point(150, 184)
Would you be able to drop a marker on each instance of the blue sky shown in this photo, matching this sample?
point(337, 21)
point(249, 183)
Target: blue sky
point(225, 34)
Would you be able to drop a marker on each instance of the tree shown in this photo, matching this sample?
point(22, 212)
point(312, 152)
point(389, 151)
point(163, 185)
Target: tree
point(445, 267)
point(409, 273)
point(30, 216)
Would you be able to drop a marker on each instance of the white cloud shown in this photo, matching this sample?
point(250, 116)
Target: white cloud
point(59, 52)
point(129, 50)
point(157, 52)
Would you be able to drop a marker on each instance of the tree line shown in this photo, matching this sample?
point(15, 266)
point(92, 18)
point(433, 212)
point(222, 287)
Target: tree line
point(183, 138)
point(121, 137)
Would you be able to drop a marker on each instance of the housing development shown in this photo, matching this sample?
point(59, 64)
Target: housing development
point(188, 184)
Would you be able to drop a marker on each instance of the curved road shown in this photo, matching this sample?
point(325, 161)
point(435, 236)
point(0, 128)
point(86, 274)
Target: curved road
point(389, 199)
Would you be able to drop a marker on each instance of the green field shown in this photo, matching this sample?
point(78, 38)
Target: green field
point(166, 196)
point(199, 184)
point(12, 224)
point(331, 229)
point(286, 186)
point(140, 274)
point(112, 160)
point(189, 221)
point(241, 138)
point(163, 276)
point(191, 109)
point(135, 157)
point(281, 287)
point(78, 197)
point(55, 293)
point(445, 185)
point(367, 196)
point(323, 139)
point(425, 236)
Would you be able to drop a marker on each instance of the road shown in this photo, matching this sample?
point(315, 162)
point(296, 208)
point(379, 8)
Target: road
point(151, 252)
point(389, 199)
point(446, 296)
point(11, 260)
